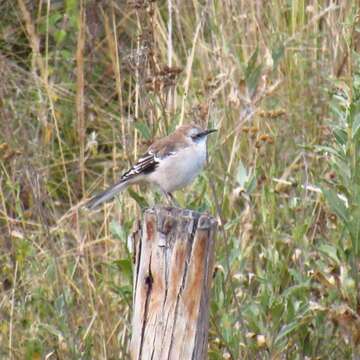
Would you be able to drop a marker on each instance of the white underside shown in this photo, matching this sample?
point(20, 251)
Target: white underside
point(176, 171)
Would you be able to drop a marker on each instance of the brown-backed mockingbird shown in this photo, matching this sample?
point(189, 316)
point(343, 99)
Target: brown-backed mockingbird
point(170, 163)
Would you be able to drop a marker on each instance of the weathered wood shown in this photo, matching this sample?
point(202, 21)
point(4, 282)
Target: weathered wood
point(174, 263)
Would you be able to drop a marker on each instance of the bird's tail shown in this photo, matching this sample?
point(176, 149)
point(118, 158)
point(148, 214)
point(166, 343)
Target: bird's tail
point(106, 195)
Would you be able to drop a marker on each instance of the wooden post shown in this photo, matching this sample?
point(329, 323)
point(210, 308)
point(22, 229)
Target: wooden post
point(174, 264)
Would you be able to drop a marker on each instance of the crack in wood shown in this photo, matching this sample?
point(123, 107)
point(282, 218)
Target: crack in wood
point(148, 281)
point(166, 261)
point(137, 257)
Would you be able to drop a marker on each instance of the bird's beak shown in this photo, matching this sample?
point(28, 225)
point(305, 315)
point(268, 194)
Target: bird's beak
point(207, 132)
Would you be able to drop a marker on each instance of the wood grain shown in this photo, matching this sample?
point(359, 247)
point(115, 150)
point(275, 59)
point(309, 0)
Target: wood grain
point(173, 270)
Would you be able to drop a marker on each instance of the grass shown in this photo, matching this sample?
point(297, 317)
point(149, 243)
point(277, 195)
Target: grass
point(86, 86)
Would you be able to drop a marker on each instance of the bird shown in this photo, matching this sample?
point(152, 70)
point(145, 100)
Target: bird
point(170, 163)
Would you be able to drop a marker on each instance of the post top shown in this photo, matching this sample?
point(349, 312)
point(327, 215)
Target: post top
point(205, 220)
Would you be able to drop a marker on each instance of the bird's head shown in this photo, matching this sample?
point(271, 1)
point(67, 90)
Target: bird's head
point(195, 132)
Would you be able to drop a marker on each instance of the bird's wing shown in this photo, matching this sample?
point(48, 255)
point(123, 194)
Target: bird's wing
point(159, 150)
point(145, 165)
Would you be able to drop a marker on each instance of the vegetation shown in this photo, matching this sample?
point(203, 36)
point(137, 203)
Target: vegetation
point(87, 85)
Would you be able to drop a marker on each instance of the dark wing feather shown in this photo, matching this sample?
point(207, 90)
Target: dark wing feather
point(145, 165)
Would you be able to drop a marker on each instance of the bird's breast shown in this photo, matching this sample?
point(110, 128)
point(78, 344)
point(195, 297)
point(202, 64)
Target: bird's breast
point(180, 169)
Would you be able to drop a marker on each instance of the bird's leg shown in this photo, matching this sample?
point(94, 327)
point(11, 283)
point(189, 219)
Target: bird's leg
point(173, 200)
point(169, 198)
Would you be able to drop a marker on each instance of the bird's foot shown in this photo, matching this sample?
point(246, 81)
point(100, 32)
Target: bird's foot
point(172, 199)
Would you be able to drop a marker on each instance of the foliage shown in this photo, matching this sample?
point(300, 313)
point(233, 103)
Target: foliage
point(87, 85)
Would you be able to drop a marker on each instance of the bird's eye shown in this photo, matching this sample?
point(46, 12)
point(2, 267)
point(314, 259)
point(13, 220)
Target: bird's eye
point(196, 136)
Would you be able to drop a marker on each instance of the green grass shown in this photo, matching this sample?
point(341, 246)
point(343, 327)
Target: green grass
point(81, 97)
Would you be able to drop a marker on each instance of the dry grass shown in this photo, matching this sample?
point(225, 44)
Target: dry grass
point(87, 85)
